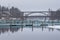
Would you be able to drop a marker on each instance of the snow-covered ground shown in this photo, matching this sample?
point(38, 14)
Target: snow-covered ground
point(55, 27)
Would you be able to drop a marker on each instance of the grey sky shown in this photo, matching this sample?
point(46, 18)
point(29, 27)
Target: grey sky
point(32, 4)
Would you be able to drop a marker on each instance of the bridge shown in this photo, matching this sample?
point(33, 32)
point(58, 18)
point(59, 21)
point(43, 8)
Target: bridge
point(45, 13)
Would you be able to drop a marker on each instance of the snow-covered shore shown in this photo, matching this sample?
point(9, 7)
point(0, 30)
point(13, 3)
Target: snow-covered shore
point(55, 27)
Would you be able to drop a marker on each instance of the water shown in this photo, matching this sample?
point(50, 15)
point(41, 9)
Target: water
point(28, 33)
point(9, 32)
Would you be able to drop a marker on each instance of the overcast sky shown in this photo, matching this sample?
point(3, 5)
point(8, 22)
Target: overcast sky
point(32, 4)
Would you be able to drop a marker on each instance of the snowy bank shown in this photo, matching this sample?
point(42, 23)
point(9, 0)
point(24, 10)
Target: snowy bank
point(55, 27)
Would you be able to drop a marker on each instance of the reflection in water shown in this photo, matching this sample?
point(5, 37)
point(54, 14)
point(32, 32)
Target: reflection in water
point(16, 28)
point(58, 29)
point(12, 29)
point(51, 29)
point(2, 30)
point(21, 28)
point(29, 24)
point(39, 31)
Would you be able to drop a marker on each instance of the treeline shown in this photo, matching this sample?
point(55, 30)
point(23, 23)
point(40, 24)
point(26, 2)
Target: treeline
point(55, 15)
point(14, 12)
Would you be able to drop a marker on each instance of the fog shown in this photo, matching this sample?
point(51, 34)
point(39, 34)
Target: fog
point(32, 4)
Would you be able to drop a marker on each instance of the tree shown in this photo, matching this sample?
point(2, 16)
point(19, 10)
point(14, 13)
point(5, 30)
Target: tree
point(52, 14)
point(5, 8)
point(0, 11)
point(58, 14)
point(15, 12)
point(55, 15)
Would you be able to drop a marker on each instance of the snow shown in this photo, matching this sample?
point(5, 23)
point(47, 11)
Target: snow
point(55, 27)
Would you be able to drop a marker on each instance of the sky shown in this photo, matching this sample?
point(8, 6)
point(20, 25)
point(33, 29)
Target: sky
point(32, 4)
